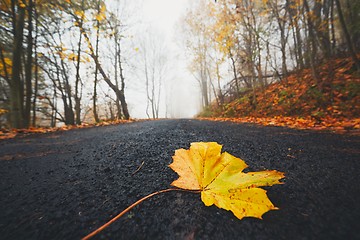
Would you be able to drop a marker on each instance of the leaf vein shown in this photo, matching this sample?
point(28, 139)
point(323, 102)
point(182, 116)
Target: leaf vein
point(218, 174)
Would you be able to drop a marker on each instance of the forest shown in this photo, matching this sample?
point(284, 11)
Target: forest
point(291, 63)
point(263, 58)
point(41, 69)
point(179, 119)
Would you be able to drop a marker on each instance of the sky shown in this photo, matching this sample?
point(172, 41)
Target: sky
point(161, 17)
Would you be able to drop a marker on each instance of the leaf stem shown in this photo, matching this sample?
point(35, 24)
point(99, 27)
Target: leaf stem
point(138, 169)
point(90, 235)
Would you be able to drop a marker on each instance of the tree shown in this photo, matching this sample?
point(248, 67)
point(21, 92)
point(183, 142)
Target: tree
point(264, 41)
point(198, 44)
point(77, 94)
point(29, 65)
point(154, 67)
point(117, 91)
point(43, 60)
point(349, 42)
point(97, 22)
point(16, 87)
point(116, 35)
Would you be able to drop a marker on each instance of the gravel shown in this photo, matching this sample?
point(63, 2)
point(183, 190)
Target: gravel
point(63, 185)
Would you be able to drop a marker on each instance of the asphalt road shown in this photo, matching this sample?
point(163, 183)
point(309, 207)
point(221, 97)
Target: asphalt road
point(63, 185)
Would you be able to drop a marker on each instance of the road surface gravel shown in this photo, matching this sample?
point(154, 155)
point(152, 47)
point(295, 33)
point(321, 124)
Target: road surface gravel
point(63, 185)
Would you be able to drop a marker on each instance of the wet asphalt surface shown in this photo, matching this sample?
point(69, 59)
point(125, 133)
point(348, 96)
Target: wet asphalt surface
point(63, 185)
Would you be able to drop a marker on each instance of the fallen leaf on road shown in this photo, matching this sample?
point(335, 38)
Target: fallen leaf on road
point(219, 178)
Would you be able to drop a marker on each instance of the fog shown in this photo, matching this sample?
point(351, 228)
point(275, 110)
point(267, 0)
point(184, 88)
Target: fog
point(157, 20)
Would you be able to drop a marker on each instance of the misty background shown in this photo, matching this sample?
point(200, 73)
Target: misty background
point(153, 24)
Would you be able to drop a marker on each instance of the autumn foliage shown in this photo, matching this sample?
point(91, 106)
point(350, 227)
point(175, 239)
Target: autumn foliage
point(11, 133)
point(301, 101)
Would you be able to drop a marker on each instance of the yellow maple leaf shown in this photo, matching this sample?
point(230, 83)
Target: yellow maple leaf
point(221, 181)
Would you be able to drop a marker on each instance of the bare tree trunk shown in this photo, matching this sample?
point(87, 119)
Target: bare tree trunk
point(220, 94)
point(290, 5)
point(16, 89)
point(112, 115)
point(68, 107)
point(283, 51)
point(77, 83)
point(205, 91)
point(117, 101)
point(325, 31)
point(217, 97)
point(153, 92)
point(333, 38)
point(347, 35)
point(159, 93)
point(204, 85)
point(233, 64)
point(94, 108)
point(353, 18)
point(36, 69)
point(253, 102)
point(252, 69)
point(96, 116)
point(118, 93)
point(147, 86)
point(53, 112)
point(313, 47)
point(122, 79)
point(28, 67)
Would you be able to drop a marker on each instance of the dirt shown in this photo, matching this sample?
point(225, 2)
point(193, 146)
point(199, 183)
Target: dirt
point(63, 185)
